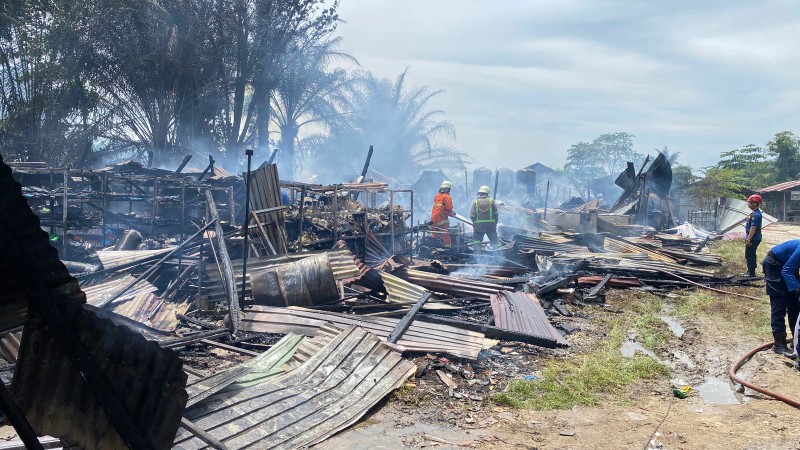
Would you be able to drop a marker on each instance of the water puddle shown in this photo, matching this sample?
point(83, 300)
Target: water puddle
point(674, 326)
point(682, 358)
point(629, 349)
point(717, 391)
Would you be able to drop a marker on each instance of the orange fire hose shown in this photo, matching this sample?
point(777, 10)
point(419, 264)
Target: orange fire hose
point(738, 364)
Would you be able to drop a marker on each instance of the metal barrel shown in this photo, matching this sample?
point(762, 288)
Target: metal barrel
point(306, 282)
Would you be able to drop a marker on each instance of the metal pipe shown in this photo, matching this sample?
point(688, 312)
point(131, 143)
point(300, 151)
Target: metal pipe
point(65, 200)
point(245, 249)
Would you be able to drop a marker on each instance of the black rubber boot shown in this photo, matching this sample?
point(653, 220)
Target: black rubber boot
point(780, 343)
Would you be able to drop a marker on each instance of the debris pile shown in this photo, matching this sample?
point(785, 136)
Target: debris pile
point(294, 333)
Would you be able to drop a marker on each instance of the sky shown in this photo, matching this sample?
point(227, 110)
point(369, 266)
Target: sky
point(524, 80)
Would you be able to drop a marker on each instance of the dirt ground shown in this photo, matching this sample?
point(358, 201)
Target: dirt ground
point(646, 416)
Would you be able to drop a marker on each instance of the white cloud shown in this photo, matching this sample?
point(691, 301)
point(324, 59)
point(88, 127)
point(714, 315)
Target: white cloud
point(524, 80)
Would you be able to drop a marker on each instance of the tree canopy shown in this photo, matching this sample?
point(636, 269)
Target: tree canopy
point(607, 154)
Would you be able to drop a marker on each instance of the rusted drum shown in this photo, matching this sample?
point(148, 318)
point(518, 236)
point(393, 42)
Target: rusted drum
point(306, 282)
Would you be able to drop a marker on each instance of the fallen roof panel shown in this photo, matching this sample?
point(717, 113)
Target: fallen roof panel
point(518, 311)
point(326, 394)
point(420, 337)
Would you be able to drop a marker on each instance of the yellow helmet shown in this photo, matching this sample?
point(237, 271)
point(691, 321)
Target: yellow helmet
point(446, 185)
point(484, 190)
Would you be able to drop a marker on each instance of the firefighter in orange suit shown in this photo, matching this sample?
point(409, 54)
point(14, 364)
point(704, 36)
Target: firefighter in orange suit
point(441, 212)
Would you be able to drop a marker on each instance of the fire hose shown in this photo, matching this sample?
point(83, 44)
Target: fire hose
point(720, 291)
point(738, 364)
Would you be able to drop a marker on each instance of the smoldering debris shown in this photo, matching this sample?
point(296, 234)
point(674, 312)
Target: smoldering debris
point(332, 271)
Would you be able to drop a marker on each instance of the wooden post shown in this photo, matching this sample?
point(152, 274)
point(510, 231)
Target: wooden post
point(784, 206)
point(335, 213)
point(391, 219)
point(546, 197)
point(225, 265)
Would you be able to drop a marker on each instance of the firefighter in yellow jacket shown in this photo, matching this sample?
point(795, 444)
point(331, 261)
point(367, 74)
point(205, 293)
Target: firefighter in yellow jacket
point(441, 212)
point(484, 219)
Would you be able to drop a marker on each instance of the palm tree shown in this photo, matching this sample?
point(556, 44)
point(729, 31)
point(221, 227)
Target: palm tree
point(396, 120)
point(307, 94)
point(671, 156)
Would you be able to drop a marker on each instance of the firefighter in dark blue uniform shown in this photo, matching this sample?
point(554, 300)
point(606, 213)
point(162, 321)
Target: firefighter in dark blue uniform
point(752, 229)
point(783, 282)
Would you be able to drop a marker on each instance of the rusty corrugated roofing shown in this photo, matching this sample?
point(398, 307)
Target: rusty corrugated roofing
point(779, 187)
point(420, 336)
point(326, 394)
point(98, 294)
point(136, 388)
point(518, 311)
point(400, 290)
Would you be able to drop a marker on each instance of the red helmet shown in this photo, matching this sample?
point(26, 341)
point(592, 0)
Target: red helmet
point(754, 198)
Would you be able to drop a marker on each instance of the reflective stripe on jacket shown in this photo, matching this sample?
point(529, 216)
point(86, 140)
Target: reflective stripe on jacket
point(442, 207)
point(483, 210)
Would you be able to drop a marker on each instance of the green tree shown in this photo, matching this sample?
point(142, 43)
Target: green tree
point(583, 163)
point(682, 178)
point(606, 155)
point(44, 97)
point(751, 162)
point(714, 184)
point(785, 147)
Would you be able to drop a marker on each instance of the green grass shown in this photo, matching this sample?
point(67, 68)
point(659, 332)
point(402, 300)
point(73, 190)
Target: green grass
point(652, 332)
point(732, 253)
point(748, 317)
point(583, 379)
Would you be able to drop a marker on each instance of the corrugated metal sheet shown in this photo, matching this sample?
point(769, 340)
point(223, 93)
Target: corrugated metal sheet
point(152, 311)
point(144, 380)
point(326, 394)
point(112, 258)
point(518, 311)
point(734, 212)
point(288, 353)
point(400, 290)
point(420, 337)
point(457, 287)
point(620, 245)
point(98, 294)
point(148, 380)
point(250, 373)
point(9, 346)
point(779, 187)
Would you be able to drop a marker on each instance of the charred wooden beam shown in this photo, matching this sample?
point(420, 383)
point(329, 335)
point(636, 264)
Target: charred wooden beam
point(225, 265)
point(559, 283)
point(183, 163)
point(405, 322)
point(596, 290)
point(490, 331)
point(202, 434)
point(197, 337)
